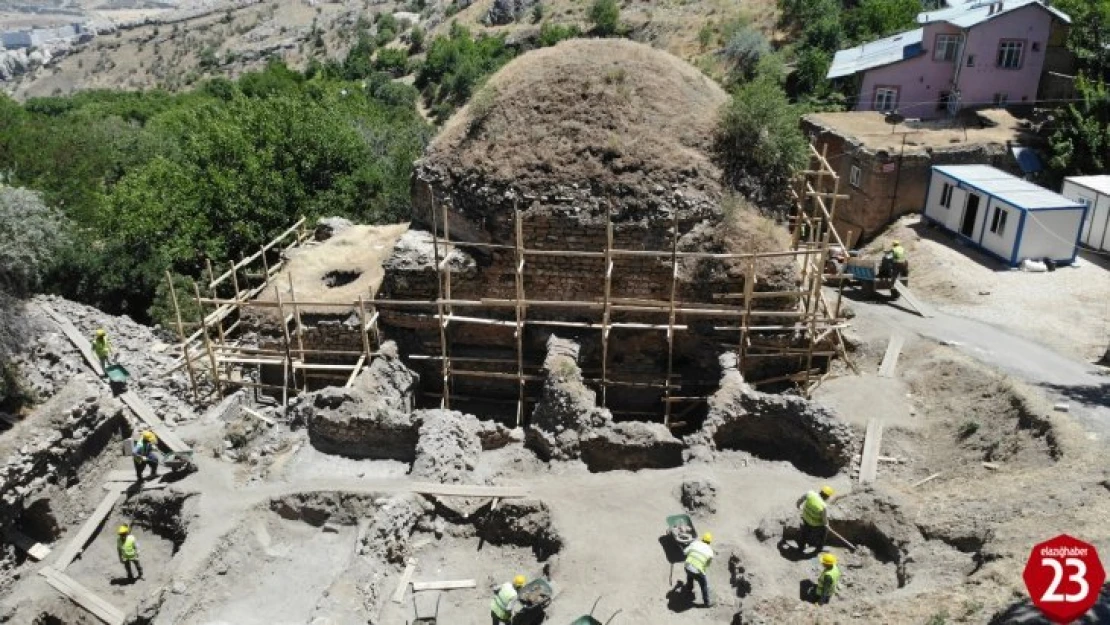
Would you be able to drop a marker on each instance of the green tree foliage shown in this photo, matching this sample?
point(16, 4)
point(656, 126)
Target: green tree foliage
point(416, 39)
point(744, 50)
point(30, 235)
point(605, 15)
point(155, 182)
point(1089, 35)
point(455, 66)
point(758, 135)
point(874, 19)
point(394, 61)
point(1081, 141)
point(358, 63)
point(551, 34)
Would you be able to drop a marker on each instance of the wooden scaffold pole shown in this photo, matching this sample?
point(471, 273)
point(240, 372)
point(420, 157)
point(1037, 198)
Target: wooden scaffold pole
point(606, 304)
point(181, 337)
point(300, 336)
point(519, 333)
point(445, 363)
point(208, 343)
point(670, 321)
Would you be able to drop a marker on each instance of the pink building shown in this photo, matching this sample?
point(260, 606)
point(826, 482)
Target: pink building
point(969, 55)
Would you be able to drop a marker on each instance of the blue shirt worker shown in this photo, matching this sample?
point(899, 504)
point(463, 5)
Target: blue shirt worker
point(145, 452)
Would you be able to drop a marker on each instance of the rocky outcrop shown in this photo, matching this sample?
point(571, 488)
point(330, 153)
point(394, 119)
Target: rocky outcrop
point(371, 419)
point(522, 522)
point(508, 11)
point(449, 447)
point(699, 495)
point(631, 445)
point(774, 427)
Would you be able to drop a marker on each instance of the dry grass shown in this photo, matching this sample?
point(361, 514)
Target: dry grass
point(601, 112)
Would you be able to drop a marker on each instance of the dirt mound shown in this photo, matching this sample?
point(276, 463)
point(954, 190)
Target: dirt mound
point(607, 113)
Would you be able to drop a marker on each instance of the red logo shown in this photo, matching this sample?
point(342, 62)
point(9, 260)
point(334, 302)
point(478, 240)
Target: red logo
point(1064, 577)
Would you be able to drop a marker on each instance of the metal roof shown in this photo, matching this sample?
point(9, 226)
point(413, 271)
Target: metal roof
point(1100, 184)
point(976, 12)
point(877, 53)
point(1021, 194)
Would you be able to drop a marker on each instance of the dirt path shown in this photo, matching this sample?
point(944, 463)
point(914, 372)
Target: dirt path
point(1062, 379)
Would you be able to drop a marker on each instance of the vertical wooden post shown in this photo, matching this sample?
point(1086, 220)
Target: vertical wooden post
point(365, 328)
point(212, 292)
point(670, 321)
point(265, 266)
point(181, 337)
point(208, 343)
point(749, 289)
point(285, 343)
point(519, 334)
point(445, 363)
point(605, 314)
point(300, 335)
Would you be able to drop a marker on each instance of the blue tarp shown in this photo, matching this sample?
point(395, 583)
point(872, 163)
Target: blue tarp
point(1027, 159)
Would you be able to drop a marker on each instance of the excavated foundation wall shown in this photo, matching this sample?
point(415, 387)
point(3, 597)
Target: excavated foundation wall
point(35, 501)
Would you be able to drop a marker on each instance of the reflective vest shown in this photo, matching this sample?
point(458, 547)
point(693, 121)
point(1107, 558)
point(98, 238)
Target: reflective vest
point(502, 601)
point(128, 548)
point(142, 450)
point(813, 510)
point(698, 556)
point(899, 253)
point(828, 581)
point(101, 346)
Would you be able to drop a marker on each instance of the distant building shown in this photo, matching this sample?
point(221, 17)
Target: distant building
point(1004, 216)
point(983, 53)
point(884, 179)
point(1094, 193)
point(35, 37)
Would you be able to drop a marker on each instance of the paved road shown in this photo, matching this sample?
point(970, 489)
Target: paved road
point(1061, 378)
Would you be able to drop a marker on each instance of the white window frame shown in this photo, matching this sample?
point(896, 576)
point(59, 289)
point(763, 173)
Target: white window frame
point(998, 221)
point(946, 195)
point(1010, 53)
point(886, 99)
point(947, 47)
point(854, 176)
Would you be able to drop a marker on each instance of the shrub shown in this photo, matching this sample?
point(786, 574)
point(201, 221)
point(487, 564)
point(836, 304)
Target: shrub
point(416, 39)
point(395, 61)
point(551, 34)
point(30, 234)
point(744, 50)
point(605, 16)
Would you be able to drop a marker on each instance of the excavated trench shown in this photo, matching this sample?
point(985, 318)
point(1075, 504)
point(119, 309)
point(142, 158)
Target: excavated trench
point(327, 556)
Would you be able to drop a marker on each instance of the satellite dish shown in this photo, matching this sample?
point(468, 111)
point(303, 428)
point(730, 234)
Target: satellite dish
point(894, 118)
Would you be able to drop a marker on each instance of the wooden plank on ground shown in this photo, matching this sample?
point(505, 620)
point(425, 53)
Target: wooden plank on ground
point(449, 585)
point(82, 596)
point(147, 416)
point(257, 415)
point(922, 309)
point(35, 550)
point(928, 479)
point(77, 544)
point(890, 358)
point(468, 490)
point(402, 586)
point(868, 467)
point(75, 337)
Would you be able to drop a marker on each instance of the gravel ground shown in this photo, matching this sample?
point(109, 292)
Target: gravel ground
point(1067, 310)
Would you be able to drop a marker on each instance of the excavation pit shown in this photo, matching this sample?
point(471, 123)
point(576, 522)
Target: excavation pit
point(334, 279)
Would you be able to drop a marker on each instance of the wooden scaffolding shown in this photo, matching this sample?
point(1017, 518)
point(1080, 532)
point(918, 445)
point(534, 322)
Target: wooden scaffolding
point(212, 352)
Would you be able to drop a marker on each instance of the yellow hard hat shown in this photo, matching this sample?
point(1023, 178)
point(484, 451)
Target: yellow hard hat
point(100, 332)
point(149, 436)
point(827, 491)
point(123, 530)
point(828, 559)
point(519, 581)
point(707, 538)
point(895, 242)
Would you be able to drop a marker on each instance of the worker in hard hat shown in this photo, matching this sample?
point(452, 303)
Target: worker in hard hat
point(828, 580)
point(505, 600)
point(698, 556)
point(815, 518)
point(144, 452)
point(128, 549)
point(901, 265)
point(102, 347)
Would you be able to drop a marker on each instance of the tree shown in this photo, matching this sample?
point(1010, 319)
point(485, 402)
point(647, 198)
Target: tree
point(874, 19)
point(744, 50)
point(605, 15)
point(30, 234)
point(394, 61)
point(1081, 141)
point(759, 137)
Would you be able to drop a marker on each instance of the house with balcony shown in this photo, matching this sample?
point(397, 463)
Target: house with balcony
point(969, 55)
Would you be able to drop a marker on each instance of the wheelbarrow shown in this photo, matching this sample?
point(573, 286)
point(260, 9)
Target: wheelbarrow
point(588, 619)
point(117, 377)
point(178, 462)
point(534, 598)
point(681, 530)
point(422, 617)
